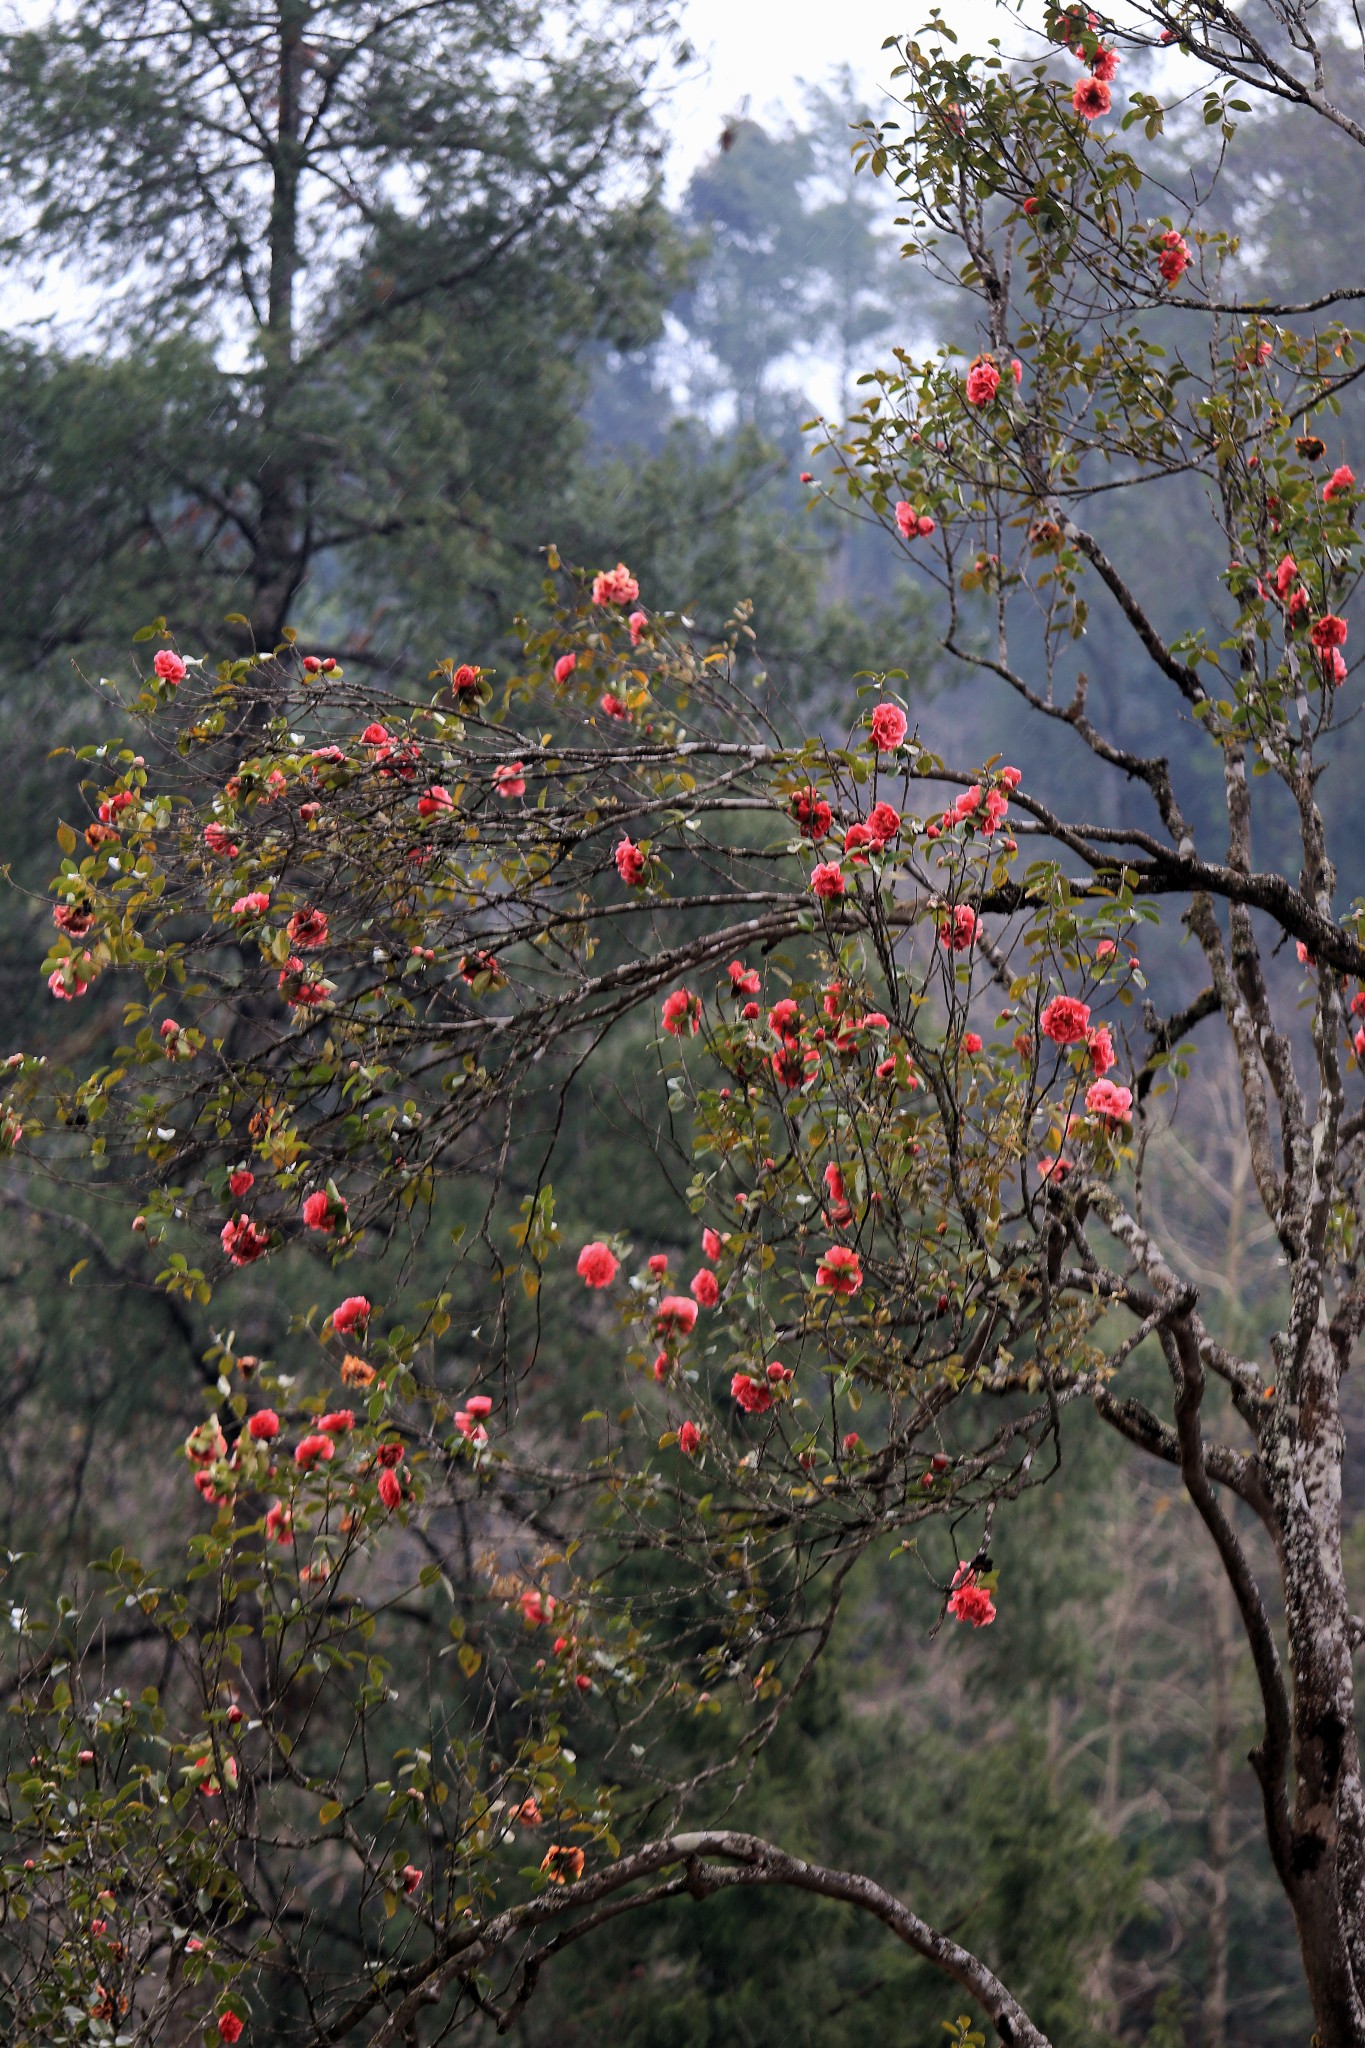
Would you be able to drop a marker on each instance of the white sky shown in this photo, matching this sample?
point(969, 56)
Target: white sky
point(765, 49)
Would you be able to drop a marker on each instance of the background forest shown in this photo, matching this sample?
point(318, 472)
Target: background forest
point(559, 354)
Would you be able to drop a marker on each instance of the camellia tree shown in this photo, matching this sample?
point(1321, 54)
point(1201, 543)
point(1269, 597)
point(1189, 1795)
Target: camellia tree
point(370, 943)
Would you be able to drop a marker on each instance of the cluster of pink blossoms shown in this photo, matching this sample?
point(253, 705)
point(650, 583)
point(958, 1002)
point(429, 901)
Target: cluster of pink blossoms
point(968, 1601)
point(615, 586)
point(910, 524)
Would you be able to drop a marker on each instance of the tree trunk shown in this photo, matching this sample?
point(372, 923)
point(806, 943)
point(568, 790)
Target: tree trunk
point(279, 561)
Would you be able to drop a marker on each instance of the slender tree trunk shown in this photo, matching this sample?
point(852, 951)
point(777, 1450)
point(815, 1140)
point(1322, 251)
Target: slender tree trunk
point(279, 562)
point(1215, 2017)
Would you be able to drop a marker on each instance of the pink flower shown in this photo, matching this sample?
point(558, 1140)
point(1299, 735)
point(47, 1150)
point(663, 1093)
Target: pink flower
point(675, 1316)
point(637, 623)
point(322, 1212)
point(308, 929)
point(612, 707)
point(598, 1265)
point(279, 1523)
point(1011, 777)
point(171, 669)
point(297, 986)
point(251, 906)
point(1328, 632)
point(508, 781)
point(968, 1601)
point(983, 381)
point(536, 1607)
point(264, 1424)
point(744, 981)
point(884, 823)
point(1111, 1104)
point(958, 931)
point(682, 1014)
point(57, 980)
point(1285, 574)
point(1174, 259)
point(924, 526)
point(827, 881)
point(412, 1878)
point(752, 1396)
point(352, 1314)
point(243, 1241)
point(711, 1245)
point(312, 1450)
point(1065, 1020)
point(230, 2028)
point(240, 1182)
point(658, 1264)
point(1100, 1047)
point(615, 586)
point(565, 667)
point(74, 920)
point(1339, 483)
point(434, 800)
point(840, 1270)
point(1054, 1169)
point(1091, 98)
point(907, 519)
point(856, 837)
point(971, 1042)
point(1104, 65)
point(888, 728)
point(390, 1489)
point(689, 1439)
point(465, 680)
point(340, 1422)
point(705, 1288)
point(1016, 370)
point(1338, 667)
point(630, 863)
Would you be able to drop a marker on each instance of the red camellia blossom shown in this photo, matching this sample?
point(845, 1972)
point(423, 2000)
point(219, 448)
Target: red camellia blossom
point(675, 1316)
point(840, 1270)
point(1091, 98)
point(73, 919)
point(340, 1422)
point(752, 1396)
point(968, 1601)
point(812, 813)
point(264, 1424)
point(434, 800)
point(598, 1265)
point(827, 881)
point(637, 623)
point(241, 1182)
point(888, 728)
point(1339, 483)
point(983, 381)
point(1050, 1169)
point(252, 905)
point(171, 669)
point(1285, 574)
point(1174, 259)
point(390, 1489)
point(1104, 65)
point(537, 1607)
point(296, 984)
point(322, 1211)
point(352, 1314)
point(1328, 632)
point(1065, 1020)
point(884, 823)
point(1113, 1105)
point(565, 667)
point(465, 680)
point(658, 1263)
point(784, 1018)
point(857, 837)
point(971, 1042)
point(705, 1288)
point(230, 2028)
point(958, 932)
point(682, 1014)
point(307, 929)
point(1100, 1047)
point(744, 981)
point(67, 992)
point(244, 1241)
point(611, 706)
point(615, 586)
point(689, 1439)
point(508, 781)
point(412, 1878)
point(630, 863)
point(312, 1450)
point(279, 1523)
point(711, 1244)
point(906, 518)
